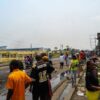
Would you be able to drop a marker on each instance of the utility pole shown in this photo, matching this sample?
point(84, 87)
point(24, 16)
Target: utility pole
point(98, 45)
point(93, 42)
point(31, 46)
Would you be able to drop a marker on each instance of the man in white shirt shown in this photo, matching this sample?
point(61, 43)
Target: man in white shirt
point(61, 58)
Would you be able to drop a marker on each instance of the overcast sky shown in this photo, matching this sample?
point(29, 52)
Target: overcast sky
point(49, 23)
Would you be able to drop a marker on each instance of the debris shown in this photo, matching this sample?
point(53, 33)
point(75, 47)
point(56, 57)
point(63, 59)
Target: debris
point(80, 93)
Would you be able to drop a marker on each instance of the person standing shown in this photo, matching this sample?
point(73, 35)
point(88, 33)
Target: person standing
point(40, 86)
point(50, 67)
point(67, 58)
point(17, 82)
point(61, 58)
point(50, 57)
point(92, 82)
point(82, 57)
point(74, 68)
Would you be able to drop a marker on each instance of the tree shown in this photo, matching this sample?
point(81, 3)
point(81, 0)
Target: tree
point(55, 48)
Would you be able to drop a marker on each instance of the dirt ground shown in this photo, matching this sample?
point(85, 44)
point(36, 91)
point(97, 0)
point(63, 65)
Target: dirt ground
point(81, 83)
point(80, 87)
point(76, 97)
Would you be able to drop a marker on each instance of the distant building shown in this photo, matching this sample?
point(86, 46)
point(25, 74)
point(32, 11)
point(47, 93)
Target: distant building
point(3, 47)
point(24, 49)
point(19, 53)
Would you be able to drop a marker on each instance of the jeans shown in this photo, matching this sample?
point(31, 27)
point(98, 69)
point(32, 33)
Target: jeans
point(73, 77)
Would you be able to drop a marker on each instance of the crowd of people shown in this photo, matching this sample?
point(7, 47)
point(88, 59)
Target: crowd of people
point(28, 61)
point(74, 63)
point(38, 80)
point(40, 75)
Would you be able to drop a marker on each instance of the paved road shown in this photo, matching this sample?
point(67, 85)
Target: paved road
point(3, 76)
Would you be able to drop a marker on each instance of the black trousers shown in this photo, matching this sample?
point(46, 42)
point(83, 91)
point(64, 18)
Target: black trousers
point(41, 92)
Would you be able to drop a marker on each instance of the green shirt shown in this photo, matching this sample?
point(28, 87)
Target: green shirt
point(74, 64)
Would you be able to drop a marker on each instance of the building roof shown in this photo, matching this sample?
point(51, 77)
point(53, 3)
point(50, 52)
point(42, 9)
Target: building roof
point(24, 49)
point(3, 47)
point(28, 49)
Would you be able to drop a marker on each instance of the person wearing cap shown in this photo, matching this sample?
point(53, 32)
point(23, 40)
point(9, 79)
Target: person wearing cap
point(17, 82)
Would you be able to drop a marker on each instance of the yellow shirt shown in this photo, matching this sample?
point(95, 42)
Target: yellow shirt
point(73, 64)
point(16, 81)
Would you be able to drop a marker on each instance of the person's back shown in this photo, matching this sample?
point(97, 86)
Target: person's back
point(74, 64)
point(92, 82)
point(73, 68)
point(61, 58)
point(91, 76)
point(40, 87)
point(82, 55)
point(17, 80)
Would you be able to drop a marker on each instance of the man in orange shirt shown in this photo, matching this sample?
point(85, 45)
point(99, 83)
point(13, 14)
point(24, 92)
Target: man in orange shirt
point(17, 82)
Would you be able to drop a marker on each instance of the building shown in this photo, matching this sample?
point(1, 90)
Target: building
point(19, 53)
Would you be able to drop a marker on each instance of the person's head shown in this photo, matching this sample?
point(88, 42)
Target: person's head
point(14, 64)
point(61, 54)
point(21, 66)
point(94, 59)
point(43, 54)
point(90, 64)
point(45, 58)
point(77, 55)
point(74, 57)
point(38, 57)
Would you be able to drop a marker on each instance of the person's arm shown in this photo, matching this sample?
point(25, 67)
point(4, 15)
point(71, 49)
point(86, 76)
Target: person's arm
point(96, 87)
point(70, 65)
point(28, 80)
point(95, 76)
point(10, 87)
point(95, 73)
point(26, 85)
point(31, 84)
point(9, 94)
point(33, 78)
